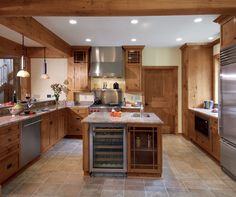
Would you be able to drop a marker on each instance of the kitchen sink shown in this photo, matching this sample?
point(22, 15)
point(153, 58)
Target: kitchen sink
point(136, 115)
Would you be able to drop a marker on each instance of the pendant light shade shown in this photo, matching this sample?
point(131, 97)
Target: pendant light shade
point(22, 72)
point(45, 75)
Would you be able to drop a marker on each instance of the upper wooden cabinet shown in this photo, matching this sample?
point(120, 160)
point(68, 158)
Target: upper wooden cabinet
point(228, 30)
point(78, 69)
point(133, 68)
point(197, 65)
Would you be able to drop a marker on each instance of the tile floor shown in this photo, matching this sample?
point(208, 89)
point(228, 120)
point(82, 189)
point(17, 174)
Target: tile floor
point(187, 172)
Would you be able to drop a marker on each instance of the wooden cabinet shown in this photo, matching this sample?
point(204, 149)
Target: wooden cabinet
point(191, 126)
point(228, 30)
point(130, 110)
point(76, 114)
point(197, 79)
point(53, 128)
point(210, 144)
point(144, 150)
point(133, 68)
point(9, 151)
point(215, 138)
point(45, 132)
point(78, 69)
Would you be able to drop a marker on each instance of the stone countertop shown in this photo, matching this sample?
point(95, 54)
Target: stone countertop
point(126, 118)
point(203, 111)
point(8, 119)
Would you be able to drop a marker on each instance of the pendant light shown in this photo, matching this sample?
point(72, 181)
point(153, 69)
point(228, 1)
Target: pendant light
point(44, 75)
point(22, 72)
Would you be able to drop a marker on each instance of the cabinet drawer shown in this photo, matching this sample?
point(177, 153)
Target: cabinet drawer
point(8, 139)
point(204, 142)
point(7, 150)
point(9, 129)
point(75, 130)
point(80, 110)
point(9, 166)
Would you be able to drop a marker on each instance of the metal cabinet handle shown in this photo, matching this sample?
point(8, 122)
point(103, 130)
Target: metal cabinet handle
point(9, 166)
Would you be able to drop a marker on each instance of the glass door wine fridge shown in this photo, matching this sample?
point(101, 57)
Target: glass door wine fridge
point(108, 148)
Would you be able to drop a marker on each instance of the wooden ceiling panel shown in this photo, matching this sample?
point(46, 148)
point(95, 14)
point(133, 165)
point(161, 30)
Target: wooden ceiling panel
point(115, 7)
point(32, 29)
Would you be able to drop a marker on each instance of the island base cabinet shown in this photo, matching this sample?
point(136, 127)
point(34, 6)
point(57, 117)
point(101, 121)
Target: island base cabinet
point(144, 151)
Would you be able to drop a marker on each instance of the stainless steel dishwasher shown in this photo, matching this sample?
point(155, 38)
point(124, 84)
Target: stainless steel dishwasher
point(30, 140)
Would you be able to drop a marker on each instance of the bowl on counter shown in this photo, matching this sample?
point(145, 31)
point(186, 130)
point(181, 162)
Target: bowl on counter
point(15, 112)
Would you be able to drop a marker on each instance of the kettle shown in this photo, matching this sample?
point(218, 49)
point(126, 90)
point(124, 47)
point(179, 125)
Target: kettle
point(116, 85)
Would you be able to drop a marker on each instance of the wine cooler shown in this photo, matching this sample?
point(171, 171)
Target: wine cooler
point(108, 148)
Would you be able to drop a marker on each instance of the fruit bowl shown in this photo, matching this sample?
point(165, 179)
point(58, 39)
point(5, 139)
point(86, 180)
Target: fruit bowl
point(15, 112)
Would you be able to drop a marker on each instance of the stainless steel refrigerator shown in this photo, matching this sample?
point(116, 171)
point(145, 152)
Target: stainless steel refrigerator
point(227, 110)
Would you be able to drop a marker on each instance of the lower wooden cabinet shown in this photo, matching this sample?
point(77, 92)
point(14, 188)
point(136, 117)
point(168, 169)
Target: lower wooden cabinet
point(76, 114)
point(144, 151)
point(215, 138)
point(130, 110)
point(53, 128)
point(9, 151)
point(210, 144)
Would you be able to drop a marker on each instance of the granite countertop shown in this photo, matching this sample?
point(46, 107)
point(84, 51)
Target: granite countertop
point(207, 112)
point(8, 119)
point(126, 118)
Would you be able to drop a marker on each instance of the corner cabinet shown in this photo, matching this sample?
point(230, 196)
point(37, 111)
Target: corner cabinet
point(228, 30)
point(78, 70)
point(144, 151)
point(133, 68)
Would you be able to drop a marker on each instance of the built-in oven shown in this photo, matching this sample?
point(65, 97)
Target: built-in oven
point(108, 149)
point(202, 124)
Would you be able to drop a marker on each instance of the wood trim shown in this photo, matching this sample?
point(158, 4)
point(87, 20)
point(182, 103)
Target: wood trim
point(133, 47)
point(9, 48)
point(159, 67)
point(223, 19)
point(38, 52)
point(215, 42)
point(204, 44)
point(32, 29)
point(114, 7)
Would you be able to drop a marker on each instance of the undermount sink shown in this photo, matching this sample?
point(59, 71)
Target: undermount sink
point(136, 115)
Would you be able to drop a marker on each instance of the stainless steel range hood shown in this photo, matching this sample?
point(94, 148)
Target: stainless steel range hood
point(106, 62)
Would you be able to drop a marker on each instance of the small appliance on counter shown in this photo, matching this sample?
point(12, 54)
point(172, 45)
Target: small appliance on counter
point(116, 85)
point(208, 104)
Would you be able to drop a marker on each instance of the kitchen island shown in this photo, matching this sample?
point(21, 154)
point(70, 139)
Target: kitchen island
point(128, 145)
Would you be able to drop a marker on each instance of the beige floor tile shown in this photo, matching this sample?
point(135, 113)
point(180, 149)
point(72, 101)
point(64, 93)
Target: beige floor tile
point(26, 188)
point(90, 193)
point(224, 193)
point(132, 193)
point(69, 190)
point(112, 193)
point(195, 184)
point(156, 194)
point(201, 193)
point(47, 190)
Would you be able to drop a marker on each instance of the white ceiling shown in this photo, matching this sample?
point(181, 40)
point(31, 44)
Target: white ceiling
point(16, 37)
point(152, 31)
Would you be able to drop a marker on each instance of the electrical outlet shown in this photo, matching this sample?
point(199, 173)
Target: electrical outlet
point(49, 96)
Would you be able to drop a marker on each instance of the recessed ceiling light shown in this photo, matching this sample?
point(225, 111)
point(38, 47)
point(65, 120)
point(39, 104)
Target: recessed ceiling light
point(134, 21)
point(210, 38)
point(88, 40)
point(72, 21)
point(179, 39)
point(133, 40)
point(197, 20)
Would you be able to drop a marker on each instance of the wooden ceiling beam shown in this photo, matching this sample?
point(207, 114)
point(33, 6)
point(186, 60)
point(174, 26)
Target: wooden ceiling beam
point(115, 7)
point(38, 52)
point(9, 48)
point(32, 29)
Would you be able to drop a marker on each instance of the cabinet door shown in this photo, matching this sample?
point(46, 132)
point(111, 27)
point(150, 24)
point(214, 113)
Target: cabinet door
point(191, 126)
point(133, 78)
point(228, 33)
point(61, 124)
point(75, 127)
point(215, 139)
point(53, 128)
point(81, 79)
point(134, 56)
point(45, 134)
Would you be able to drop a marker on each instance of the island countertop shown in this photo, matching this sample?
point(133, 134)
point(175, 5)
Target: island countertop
point(126, 118)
